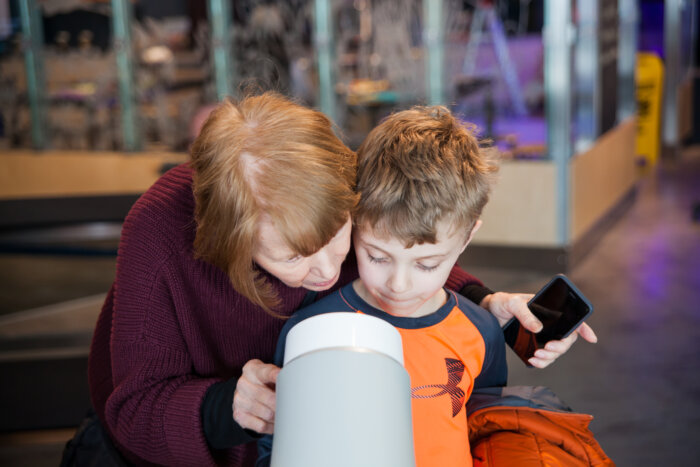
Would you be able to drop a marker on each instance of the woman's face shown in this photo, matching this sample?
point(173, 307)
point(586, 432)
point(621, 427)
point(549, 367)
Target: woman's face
point(320, 271)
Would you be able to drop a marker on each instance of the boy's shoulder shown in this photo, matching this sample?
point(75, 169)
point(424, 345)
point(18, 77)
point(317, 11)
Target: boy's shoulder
point(485, 322)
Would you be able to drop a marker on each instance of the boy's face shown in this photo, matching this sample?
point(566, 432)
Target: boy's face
point(406, 281)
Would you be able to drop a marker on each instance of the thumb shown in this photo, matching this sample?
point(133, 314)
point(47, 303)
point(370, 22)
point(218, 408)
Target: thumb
point(523, 314)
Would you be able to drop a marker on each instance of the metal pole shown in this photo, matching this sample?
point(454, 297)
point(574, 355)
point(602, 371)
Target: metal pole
point(627, 59)
point(323, 39)
point(558, 38)
point(672, 46)
point(221, 28)
point(587, 76)
point(123, 49)
point(33, 42)
point(434, 44)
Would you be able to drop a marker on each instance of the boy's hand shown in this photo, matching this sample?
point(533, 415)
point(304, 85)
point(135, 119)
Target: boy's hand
point(254, 399)
point(505, 306)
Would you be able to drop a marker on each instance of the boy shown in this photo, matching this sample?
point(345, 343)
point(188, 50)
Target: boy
point(423, 182)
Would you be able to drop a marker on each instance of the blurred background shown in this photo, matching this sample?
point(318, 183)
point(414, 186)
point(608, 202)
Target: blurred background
point(594, 105)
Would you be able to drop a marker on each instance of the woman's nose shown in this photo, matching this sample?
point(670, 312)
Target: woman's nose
point(323, 264)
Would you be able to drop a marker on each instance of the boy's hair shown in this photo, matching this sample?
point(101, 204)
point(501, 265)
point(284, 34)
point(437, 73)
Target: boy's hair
point(420, 167)
point(267, 156)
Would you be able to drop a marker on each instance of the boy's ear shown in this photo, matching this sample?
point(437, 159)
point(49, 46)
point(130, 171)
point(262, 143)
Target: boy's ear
point(477, 226)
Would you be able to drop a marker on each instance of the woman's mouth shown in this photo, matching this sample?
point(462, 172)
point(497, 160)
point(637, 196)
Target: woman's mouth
point(327, 283)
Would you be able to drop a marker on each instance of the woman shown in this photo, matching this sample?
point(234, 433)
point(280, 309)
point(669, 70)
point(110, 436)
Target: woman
point(210, 258)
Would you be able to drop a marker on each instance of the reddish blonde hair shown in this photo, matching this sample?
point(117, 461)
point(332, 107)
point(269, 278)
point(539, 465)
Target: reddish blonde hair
point(420, 167)
point(266, 155)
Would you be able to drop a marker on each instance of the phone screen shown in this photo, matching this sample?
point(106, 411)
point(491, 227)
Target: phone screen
point(559, 306)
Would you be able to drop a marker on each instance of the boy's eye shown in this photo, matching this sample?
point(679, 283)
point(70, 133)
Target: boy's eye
point(294, 259)
point(373, 259)
point(425, 268)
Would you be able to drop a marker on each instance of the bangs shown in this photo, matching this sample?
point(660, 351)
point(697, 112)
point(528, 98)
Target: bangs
point(305, 233)
point(410, 231)
point(401, 224)
point(309, 216)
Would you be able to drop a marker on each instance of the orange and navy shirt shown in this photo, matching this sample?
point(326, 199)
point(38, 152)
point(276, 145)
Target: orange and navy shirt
point(447, 354)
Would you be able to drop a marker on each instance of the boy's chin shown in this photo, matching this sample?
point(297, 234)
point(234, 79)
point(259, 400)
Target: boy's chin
point(409, 311)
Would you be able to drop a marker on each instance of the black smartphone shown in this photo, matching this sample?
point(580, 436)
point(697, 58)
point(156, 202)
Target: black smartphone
point(561, 308)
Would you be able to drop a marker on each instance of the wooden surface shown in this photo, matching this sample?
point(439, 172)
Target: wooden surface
point(522, 208)
point(50, 174)
point(601, 176)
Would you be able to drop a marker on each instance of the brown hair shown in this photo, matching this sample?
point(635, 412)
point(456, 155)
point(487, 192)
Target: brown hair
point(417, 168)
point(266, 155)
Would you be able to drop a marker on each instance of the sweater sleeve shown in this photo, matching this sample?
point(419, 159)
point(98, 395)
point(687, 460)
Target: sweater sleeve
point(154, 409)
point(220, 429)
point(467, 285)
point(459, 278)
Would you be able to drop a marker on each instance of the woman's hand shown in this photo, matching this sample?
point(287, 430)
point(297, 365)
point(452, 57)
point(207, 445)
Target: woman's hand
point(505, 306)
point(254, 399)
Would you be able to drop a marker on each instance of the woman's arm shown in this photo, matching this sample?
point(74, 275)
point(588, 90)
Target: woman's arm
point(505, 306)
point(237, 410)
point(153, 411)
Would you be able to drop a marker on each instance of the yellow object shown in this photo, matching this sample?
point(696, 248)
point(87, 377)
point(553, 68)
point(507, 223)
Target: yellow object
point(650, 83)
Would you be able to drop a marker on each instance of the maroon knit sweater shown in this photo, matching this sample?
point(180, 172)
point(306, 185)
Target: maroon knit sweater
point(172, 326)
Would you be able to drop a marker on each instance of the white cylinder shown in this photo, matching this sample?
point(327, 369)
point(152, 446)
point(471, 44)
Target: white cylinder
point(343, 395)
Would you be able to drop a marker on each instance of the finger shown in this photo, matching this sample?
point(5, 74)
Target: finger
point(260, 373)
point(539, 362)
point(244, 408)
point(250, 422)
point(517, 306)
point(549, 355)
point(587, 333)
point(563, 345)
point(247, 394)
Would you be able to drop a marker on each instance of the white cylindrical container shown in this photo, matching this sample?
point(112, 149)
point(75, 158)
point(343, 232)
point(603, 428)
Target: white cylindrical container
point(343, 395)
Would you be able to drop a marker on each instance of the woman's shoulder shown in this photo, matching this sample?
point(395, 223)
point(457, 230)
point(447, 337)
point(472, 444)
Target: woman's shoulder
point(164, 214)
point(171, 192)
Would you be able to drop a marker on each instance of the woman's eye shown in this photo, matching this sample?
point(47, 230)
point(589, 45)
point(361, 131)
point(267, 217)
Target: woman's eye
point(294, 259)
point(425, 268)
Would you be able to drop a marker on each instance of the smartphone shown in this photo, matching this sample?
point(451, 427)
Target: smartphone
point(561, 308)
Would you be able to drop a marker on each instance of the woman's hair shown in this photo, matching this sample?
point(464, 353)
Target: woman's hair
point(265, 155)
point(420, 167)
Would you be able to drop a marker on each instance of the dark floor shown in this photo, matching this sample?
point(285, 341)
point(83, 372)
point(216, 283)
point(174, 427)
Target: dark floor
point(641, 381)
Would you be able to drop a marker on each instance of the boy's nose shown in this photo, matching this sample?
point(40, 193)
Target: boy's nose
point(399, 281)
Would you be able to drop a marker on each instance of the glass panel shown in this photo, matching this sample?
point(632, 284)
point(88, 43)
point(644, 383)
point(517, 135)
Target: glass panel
point(495, 72)
point(379, 63)
point(14, 99)
point(172, 71)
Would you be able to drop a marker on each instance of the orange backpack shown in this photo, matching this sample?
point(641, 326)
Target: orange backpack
point(529, 427)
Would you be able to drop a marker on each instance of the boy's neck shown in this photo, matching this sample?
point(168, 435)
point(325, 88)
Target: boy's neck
point(428, 307)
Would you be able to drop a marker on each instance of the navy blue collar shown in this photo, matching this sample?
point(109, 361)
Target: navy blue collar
point(354, 300)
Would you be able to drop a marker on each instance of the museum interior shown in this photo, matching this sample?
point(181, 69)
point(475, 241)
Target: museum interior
point(593, 106)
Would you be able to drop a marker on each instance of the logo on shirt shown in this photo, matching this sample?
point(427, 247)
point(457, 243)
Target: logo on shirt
point(455, 372)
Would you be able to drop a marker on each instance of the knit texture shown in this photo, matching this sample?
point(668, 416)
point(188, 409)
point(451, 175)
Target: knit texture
point(172, 326)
